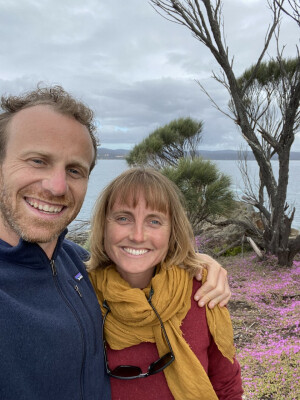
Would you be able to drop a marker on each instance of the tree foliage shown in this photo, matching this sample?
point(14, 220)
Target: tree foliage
point(173, 149)
point(264, 103)
point(167, 144)
point(206, 191)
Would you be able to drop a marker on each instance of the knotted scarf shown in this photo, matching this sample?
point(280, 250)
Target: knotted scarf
point(133, 321)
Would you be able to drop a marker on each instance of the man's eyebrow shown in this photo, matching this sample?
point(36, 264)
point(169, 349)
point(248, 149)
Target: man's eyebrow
point(79, 164)
point(50, 156)
point(35, 153)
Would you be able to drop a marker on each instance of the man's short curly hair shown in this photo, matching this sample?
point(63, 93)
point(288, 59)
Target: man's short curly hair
point(55, 97)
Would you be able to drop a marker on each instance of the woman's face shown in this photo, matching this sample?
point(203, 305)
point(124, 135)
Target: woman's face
point(136, 240)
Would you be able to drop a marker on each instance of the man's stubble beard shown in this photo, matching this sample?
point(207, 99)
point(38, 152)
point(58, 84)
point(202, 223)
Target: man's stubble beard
point(26, 227)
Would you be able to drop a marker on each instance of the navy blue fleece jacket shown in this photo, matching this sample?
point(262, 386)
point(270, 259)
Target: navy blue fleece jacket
point(50, 326)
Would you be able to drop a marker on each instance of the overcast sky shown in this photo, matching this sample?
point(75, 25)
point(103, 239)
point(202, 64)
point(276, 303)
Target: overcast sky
point(135, 69)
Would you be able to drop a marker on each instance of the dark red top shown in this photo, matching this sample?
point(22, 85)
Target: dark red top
point(224, 376)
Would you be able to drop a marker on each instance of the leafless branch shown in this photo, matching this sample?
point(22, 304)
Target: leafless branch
point(295, 15)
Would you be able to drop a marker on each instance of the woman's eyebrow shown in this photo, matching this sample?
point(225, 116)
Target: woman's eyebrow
point(156, 214)
point(121, 211)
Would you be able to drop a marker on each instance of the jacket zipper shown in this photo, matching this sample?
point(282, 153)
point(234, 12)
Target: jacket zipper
point(62, 295)
point(76, 287)
point(53, 268)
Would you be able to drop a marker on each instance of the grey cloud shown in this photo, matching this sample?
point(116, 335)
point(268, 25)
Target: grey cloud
point(135, 69)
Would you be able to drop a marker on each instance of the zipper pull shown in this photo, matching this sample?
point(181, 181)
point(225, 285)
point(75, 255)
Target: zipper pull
point(77, 290)
point(53, 268)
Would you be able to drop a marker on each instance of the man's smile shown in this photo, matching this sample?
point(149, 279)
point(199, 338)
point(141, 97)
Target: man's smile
point(42, 206)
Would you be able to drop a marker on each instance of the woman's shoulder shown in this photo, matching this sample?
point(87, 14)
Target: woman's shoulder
point(196, 316)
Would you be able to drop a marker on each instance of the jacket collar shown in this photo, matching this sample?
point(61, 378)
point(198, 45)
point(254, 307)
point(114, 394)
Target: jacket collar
point(28, 254)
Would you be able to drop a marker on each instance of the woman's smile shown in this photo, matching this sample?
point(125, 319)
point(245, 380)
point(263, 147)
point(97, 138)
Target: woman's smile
point(135, 252)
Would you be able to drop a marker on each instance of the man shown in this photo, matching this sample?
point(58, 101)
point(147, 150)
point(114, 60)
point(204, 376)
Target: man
point(50, 321)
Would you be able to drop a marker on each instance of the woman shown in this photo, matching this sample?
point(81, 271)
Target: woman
point(141, 266)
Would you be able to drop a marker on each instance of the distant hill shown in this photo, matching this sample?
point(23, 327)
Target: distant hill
point(110, 154)
point(234, 155)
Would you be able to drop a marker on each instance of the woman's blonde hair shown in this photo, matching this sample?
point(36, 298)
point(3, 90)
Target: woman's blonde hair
point(161, 195)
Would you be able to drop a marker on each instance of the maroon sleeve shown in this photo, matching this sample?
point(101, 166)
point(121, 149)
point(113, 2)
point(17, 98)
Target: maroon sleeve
point(224, 376)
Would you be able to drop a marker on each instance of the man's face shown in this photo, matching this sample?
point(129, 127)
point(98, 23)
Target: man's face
point(44, 176)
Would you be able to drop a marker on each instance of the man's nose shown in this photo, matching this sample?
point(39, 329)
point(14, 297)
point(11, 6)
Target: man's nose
point(56, 182)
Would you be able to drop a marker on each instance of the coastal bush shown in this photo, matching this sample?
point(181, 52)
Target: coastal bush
point(205, 189)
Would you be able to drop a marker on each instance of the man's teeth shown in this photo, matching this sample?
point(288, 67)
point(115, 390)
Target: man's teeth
point(46, 207)
point(135, 252)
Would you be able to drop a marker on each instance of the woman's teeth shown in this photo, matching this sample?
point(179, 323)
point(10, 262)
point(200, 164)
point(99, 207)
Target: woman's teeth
point(135, 252)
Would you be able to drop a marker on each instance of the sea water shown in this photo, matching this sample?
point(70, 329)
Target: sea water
point(106, 170)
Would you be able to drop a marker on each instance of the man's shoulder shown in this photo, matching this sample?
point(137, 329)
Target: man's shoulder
point(72, 258)
point(74, 248)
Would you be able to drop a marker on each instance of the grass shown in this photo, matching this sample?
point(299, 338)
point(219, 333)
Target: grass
point(265, 307)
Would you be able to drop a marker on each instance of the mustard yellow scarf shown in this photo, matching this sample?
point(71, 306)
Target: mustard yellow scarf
point(133, 321)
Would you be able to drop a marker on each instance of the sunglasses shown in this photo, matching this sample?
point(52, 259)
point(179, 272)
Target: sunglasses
point(130, 371)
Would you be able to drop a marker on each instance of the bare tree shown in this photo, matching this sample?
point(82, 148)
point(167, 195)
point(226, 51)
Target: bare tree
point(294, 12)
point(251, 110)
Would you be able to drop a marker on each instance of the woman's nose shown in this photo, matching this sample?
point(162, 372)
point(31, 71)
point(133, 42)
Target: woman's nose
point(137, 233)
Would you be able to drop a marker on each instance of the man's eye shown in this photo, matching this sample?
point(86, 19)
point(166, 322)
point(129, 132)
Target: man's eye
point(74, 172)
point(37, 161)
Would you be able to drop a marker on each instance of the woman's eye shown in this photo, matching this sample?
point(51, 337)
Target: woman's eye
point(122, 219)
point(155, 222)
